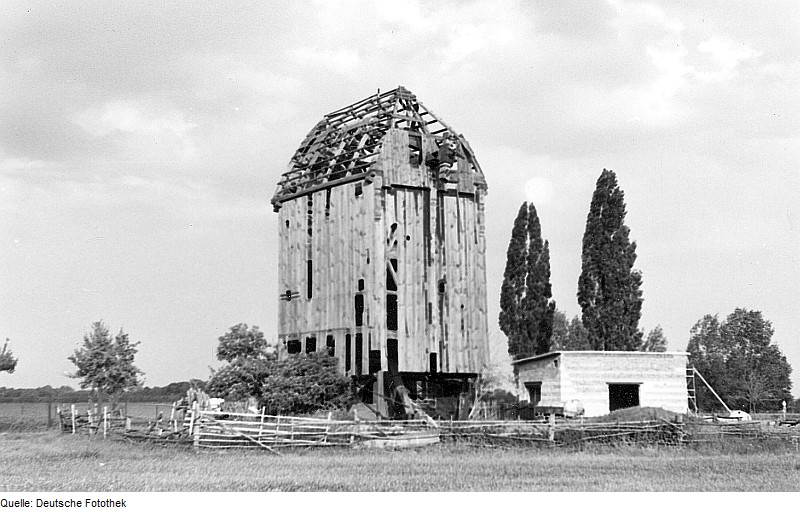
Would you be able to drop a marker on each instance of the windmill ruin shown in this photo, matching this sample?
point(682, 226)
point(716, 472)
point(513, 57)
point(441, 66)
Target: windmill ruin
point(382, 254)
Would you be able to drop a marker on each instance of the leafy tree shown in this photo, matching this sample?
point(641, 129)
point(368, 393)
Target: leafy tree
point(609, 288)
point(105, 364)
point(578, 338)
point(655, 341)
point(304, 384)
point(526, 311)
point(243, 342)
point(560, 338)
point(299, 384)
point(568, 334)
point(737, 359)
point(240, 380)
point(8, 363)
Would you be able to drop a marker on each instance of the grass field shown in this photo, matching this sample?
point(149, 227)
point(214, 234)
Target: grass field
point(48, 461)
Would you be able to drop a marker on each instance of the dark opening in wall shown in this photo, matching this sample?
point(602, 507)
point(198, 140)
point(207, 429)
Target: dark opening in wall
point(293, 347)
point(622, 396)
point(391, 355)
point(414, 148)
point(374, 361)
point(311, 345)
point(361, 285)
point(359, 306)
point(434, 365)
point(534, 392)
point(330, 343)
point(391, 275)
point(347, 352)
point(359, 353)
point(359, 190)
point(391, 312)
point(328, 202)
point(310, 216)
point(310, 271)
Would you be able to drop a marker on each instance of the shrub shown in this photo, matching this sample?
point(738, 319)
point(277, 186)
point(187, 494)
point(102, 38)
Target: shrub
point(304, 384)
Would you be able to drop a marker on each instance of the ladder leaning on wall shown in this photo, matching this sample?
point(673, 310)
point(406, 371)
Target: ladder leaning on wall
point(691, 390)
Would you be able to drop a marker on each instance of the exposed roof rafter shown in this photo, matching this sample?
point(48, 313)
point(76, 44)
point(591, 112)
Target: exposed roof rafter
point(346, 142)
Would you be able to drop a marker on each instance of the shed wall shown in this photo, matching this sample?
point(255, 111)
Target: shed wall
point(585, 376)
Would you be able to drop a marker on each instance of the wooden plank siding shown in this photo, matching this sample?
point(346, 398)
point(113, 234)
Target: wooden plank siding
point(402, 213)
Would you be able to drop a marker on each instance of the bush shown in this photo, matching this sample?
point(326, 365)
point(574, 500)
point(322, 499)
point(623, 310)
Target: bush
point(300, 384)
point(304, 384)
point(239, 380)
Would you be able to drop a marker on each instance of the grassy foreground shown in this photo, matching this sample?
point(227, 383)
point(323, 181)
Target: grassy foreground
point(49, 461)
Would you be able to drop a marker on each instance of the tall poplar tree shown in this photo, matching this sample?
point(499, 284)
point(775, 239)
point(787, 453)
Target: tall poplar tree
point(526, 311)
point(609, 289)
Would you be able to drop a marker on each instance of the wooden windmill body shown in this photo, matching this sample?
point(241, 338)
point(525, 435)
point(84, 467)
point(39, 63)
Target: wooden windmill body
point(382, 252)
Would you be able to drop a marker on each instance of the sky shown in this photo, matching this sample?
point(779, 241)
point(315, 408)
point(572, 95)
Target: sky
point(141, 143)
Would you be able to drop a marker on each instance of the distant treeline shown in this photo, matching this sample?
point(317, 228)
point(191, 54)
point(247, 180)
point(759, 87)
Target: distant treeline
point(166, 394)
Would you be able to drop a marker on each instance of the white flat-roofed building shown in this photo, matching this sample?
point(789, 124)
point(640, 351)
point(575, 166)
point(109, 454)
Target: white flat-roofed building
point(605, 381)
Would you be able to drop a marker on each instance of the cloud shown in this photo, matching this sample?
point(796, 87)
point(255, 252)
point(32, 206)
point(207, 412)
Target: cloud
point(725, 56)
point(126, 117)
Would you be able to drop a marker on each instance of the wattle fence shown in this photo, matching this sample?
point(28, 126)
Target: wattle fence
point(214, 430)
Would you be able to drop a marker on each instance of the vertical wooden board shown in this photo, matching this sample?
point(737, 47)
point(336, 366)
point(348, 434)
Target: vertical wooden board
point(434, 274)
point(459, 284)
point(380, 227)
point(465, 177)
point(321, 267)
point(418, 282)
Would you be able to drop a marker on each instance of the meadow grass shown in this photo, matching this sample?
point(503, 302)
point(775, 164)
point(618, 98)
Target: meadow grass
point(48, 461)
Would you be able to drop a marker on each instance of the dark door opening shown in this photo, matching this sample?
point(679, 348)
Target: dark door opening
point(622, 396)
point(534, 392)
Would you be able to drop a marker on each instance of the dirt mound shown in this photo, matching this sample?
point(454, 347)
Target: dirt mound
point(637, 414)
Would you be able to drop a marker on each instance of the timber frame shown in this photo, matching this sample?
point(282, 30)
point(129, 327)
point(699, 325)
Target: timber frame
point(382, 252)
point(344, 146)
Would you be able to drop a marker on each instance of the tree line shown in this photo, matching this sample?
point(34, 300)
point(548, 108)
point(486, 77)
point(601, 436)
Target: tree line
point(735, 356)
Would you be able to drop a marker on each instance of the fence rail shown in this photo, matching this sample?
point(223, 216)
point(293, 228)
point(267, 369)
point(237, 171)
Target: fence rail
point(215, 430)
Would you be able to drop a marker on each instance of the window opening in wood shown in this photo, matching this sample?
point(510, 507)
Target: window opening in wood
point(359, 353)
point(359, 306)
point(391, 275)
point(434, 366)
point(391, 312)
point(293, 347)
point(347, 353)
point(330, 344)
point(309, 289)
point(374, 361)
point(391, 356)
point(361, 285)
point(414, 148)
point(359, 190)
point(311, 344)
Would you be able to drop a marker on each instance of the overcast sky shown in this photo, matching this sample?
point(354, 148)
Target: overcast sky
point(141, 143)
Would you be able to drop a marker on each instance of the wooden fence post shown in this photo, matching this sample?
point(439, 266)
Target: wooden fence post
point(261, 423)
point(72, 410)
point(327, 428)
point(551, 427)
point(194, 425)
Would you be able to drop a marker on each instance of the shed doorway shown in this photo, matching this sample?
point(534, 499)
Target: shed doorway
point(622, 396)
